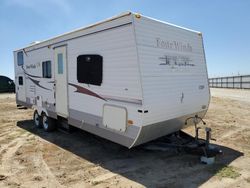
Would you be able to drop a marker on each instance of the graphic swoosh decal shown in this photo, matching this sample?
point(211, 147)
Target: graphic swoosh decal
point(83, 90)
point(30, 74)
point(36, 82)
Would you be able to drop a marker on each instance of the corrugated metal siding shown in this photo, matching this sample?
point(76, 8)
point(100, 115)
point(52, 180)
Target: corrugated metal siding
point(36, 58)
point(163, 85)
point(116, 43)
point(67, 36)
point(120, 71)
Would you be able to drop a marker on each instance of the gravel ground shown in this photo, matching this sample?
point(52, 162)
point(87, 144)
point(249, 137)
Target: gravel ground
point(234, 94)
point(29, 157)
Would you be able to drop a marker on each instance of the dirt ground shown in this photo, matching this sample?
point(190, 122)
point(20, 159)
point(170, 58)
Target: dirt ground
point(29, 157)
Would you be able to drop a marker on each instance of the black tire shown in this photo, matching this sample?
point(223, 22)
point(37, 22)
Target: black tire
point(37, 119)
point(48, 123)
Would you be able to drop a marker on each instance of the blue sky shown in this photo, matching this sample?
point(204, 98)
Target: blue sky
point(225, 25)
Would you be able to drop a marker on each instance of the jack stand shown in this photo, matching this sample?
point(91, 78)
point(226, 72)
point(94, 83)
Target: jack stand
point(196, 119)
point(206, 159)
point(209, 151)
point(208, 136)
point(197, 133)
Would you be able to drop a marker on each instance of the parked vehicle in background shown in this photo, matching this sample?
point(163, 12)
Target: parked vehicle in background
point(6, 84)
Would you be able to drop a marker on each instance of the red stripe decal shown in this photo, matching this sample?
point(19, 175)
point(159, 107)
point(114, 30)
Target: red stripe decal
point(83, 90)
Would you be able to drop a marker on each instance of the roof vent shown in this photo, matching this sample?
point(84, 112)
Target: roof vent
point(35, 42)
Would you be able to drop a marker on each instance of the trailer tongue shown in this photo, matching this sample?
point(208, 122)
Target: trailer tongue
point(185, 142)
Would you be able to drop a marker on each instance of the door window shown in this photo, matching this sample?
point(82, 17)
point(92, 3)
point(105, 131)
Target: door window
point(60, 63)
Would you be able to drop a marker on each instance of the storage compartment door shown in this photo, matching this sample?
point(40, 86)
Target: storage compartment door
point(115, 117)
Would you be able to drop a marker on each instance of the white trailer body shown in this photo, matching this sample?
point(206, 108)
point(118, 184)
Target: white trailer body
point(129, 79)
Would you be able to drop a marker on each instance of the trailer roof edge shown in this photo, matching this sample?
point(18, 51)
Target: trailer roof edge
point(191, 30)
point(127, 13)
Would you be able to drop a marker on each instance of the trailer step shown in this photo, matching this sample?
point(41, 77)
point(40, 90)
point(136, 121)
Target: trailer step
point(63, 126)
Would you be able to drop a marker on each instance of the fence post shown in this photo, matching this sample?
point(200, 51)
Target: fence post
point(233, 82)
point(240, 82)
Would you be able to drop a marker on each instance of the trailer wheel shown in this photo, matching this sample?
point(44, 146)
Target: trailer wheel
point(49, 124)
point(37, 119)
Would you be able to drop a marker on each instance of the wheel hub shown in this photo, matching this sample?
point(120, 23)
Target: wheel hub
point(36, 119)
point(45, 122)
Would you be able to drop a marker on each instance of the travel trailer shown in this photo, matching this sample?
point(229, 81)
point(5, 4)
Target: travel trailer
point(129, 79)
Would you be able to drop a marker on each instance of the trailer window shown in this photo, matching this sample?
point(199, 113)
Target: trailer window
point(47, 69)
point(89, 69)
point(20, 80)
point(20, 58)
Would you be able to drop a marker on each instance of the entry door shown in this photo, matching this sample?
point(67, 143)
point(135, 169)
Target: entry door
point(20, 86)
point(61, 87)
